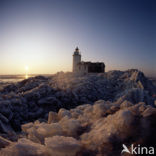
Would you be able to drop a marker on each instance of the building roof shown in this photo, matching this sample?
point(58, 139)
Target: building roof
point(77, 51)
point(90, 63)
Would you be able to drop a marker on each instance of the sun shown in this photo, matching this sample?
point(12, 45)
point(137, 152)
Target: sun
point(26, 68)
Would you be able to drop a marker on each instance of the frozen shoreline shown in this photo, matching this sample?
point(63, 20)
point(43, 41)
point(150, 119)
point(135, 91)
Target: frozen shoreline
point(125, 97)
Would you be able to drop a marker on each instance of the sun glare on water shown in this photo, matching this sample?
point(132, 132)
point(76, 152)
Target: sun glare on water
point(26, 74)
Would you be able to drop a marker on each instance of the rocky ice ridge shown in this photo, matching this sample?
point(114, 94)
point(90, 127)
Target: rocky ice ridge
point(33, 98)
point(87, 130)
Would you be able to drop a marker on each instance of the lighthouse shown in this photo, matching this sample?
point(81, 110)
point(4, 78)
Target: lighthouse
point(82, 67)
point(76, 59)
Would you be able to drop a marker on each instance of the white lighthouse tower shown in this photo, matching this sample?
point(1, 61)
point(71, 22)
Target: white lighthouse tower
point(76, 59)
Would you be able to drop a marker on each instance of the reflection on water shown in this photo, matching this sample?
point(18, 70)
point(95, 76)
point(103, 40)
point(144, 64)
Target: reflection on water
point(14, 78)
point(26, 76)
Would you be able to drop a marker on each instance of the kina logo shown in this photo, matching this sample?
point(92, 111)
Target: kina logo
point(138, 150)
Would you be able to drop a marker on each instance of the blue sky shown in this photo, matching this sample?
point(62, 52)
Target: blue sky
point(42, 34)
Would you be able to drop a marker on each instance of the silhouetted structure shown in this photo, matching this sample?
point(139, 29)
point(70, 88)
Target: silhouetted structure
point(86, 67)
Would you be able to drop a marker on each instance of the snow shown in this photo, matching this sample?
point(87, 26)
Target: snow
point(68, 115)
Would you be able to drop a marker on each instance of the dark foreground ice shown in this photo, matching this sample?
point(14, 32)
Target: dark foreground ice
point(77, 115)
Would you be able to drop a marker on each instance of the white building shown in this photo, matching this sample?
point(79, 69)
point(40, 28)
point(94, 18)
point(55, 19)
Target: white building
point(86, 67)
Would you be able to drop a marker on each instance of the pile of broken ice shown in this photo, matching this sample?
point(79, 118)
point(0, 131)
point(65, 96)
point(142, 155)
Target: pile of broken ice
point(63, 115)
point(98, 129)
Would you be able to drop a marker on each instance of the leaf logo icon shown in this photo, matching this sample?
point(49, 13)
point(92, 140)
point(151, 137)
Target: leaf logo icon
point(125, 149)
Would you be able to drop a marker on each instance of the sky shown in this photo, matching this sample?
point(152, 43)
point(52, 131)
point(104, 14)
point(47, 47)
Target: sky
point(39, 36)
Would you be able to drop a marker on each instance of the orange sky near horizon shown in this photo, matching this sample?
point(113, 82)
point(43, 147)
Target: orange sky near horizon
point(44, 34)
